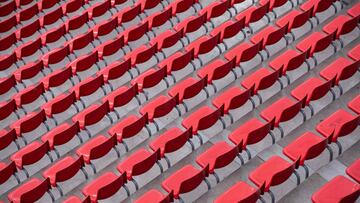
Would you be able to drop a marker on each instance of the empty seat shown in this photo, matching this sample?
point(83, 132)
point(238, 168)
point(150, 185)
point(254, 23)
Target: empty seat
point(272, 172)
point(104, 186)
point(338, 124)
point(331, 192)
point(240, 192)
point(32, 191)
point(184, 180)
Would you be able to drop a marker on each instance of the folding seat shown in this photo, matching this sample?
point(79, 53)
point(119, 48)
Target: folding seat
point(245, 55)
point(230, 32)
point(58, 81)
point(253, 15)
point(119, 5)
point(52, 19)
point(30, 73)
point(262, 83)
point(296, 22)
point(33, 190)
point(183, 8)
point(44, 4)
point(205, 48)
point(106, 30)
point(131, 127)
point(232, 99)
point(160, 21)
point(172, 145)
point(8, 25)
point(249, 133)
point(82, 44)
point(32, 158)
point(317, 42)
point(116, 74)
point(271, 38)
point(185, 180)
point(168, 42)
point(31, 49)
point(354, 53)
point(193, 27)
point(143, 57)
point(111, 50)
point(290, 64)
point(216, 9)
point(121, 97)
point(99, 11)
point(355, 104)
point(338, 124)
point(21, 3)
point(30, 31)
point(99, 152)
point(8, 177)
point(305, 147)
point(158, 108)
point(314, 89)
point(155, 196)
point(77, 24)
point(106, 186)
point(7, 8)
point(9, 113)
point(9, 143)
point(151, 80)
point(240, 192)
point(341, 72)
point(272, 172)
point(89, 90)
point(141, 167)
point(57, 58)
point(26, 14)
point(179, 64)
point(203, 119)
point(149, 7)
point(31, 126)
point(31, 97)
point(217, 157)
point(66, 173)
point(137, 35)
point(70, 7)
point(129, 16)
point(218, 73)
point(7, 44)
point(348, 192)
point(354, 10)
point(284, 109)
point(7, 87)
point(190, 92)
point(54, 37)
point(85, 65)
point(320, 9)
point(353, 170)
point(340, 26)
point(63, 138)
point(61, 107)
point(92, 119)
